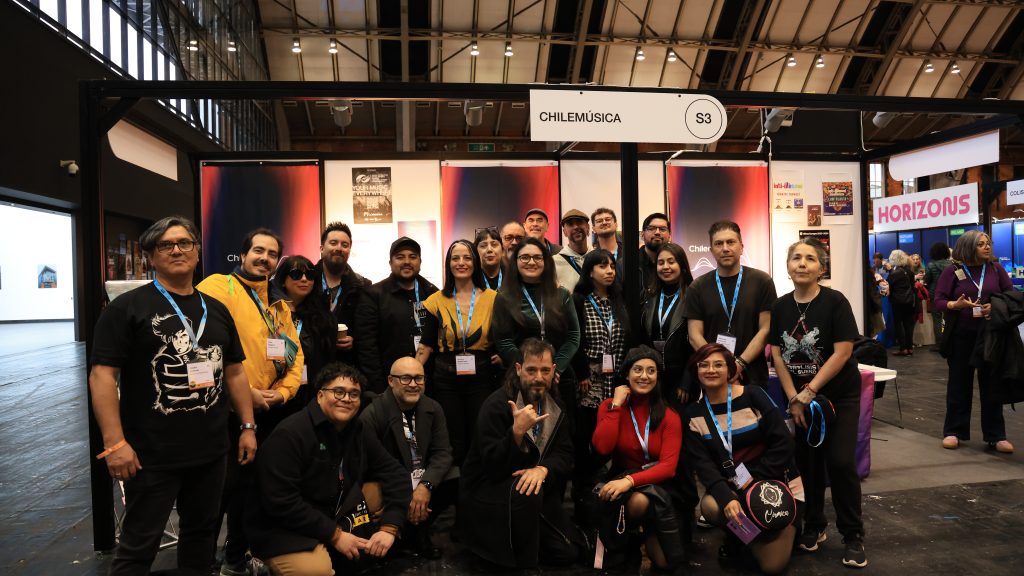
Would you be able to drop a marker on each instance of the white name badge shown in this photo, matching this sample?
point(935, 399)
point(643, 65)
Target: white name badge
point(200, 375)
point(727, 341)
point(465, 364)
point(976, 311)
point(742, 477)
point(960, 274)
point(416, 476)
point(416, 343)
point(275, 349)
point(305, 375)
point(608, 364)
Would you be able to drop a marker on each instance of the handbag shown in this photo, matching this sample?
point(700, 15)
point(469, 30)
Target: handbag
point(950, 319)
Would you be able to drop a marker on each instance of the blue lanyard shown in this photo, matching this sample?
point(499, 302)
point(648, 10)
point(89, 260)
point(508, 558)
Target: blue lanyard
point(327, 291)
point(662, 315)
point(539, 425)
point(263, 312)
point(728, 411)
point(816, 414)
point(193, 336)
point(489, 282)
point(298, 328)
point(572, 262)
point(647, 433)
point(458, 310)
point(539, 315)
point(609, 322)
point(416, 306)
point(981, 284)
point(735, 296)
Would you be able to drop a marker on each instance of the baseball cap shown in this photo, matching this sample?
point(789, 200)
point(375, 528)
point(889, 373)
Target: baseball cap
point(404, 243)
point(536, 211)
point(574, 213)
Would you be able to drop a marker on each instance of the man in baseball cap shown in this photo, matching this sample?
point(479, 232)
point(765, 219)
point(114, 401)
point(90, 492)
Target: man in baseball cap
point(569, 261)
point(536, 225)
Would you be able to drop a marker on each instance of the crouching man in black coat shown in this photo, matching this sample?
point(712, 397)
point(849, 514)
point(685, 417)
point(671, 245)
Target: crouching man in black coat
point(328, 492)
point(513, 478)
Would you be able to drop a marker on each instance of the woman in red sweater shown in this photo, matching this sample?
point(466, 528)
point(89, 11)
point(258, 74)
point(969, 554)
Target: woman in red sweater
point(643, 436)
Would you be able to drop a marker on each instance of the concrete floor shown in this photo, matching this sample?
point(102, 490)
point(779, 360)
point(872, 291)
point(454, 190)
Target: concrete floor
point(926, 509)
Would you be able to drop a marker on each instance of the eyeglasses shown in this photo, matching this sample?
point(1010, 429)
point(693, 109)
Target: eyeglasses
point(297, 273)
point(406, 379)
point(638, 370)
point(527, 258)
point(662, 229)
point(168, 246)
point(513, 238)
point(341, 394)
point(491, 229)
point(704, 365)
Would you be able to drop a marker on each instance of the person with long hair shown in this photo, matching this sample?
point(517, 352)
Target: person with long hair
point(752, 431)
point(903, 298)
point(643, 437)
point(964, 290)
point(938, 260)
point(487, 245)
point(812, 334)
point(664, 326)
point(457, 331)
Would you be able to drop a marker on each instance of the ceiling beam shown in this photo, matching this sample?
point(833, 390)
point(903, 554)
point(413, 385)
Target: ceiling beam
point(894, 48)
point(581, 37)
point(754, 17)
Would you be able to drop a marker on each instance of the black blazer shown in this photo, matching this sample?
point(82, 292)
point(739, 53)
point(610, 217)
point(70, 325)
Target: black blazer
point(352, 288)
point(383, 419)
point(677, 348)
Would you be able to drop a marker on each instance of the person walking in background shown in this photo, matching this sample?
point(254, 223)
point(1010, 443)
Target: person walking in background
point(903, 298)
point(938, 260)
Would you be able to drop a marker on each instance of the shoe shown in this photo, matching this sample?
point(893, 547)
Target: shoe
point(234, 569)
point(909, 353)
point(703, 522)
point(809, 540)
point(854, 556)
point(1003, 446)
point(950, 442)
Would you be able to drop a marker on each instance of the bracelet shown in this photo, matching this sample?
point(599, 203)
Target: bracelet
point(389, 529)
point(741, 361)
point(112, 449)
point(809, 389)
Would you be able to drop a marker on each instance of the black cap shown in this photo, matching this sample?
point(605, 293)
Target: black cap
point(404, 243)
point(639, 353)
point(537, 211)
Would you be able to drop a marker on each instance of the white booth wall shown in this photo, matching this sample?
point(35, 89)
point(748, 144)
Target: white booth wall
point(30, 239)
point(591, 184)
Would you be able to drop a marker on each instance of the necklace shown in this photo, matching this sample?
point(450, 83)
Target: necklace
point(803, 312)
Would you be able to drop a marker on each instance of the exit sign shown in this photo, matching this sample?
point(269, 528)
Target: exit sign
point(956, 231)
point(481, 147)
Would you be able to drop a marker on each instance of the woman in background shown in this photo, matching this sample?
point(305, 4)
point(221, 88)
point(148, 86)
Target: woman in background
point(903, 298)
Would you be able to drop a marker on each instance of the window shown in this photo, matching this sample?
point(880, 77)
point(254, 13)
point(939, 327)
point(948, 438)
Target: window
point(909, 186)
point(876, 177)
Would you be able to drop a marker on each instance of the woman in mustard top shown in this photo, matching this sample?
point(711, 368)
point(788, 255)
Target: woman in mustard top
point(457, 332)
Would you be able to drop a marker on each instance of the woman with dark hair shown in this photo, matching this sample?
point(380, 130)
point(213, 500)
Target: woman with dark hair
point(740, 426)
point(964, 290)
point(296, 277)
point(812, 334)
point(938, 260)
point(903, 298)
point(487, 245)
point(457, 327)
point(664, 326)
point(643, 437)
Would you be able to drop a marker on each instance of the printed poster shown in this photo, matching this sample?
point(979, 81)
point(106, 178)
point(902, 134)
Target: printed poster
point(837, 198)
point(824, 237)
point(788, 199)
point(814, 215)
point(371, 195)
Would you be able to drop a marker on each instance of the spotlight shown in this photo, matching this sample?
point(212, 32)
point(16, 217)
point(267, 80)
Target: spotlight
point(508, 49)
point(332, 48)
point(474, 111)
point(790, 61)
point(296, 47)
point(640, 55)
point(193, 45)
point(882, 119)
point(231, 46)
point(341, 112)
point(777, 118)
point(955, 69)
point(672, 56)
point(819, 63)
point(928, 68)
point(474, 49)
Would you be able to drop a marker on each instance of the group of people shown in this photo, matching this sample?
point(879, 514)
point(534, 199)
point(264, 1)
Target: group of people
point(328, 417)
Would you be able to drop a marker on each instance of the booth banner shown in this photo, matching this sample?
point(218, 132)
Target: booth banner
point(942, 207)
point(237, 197)
point(825, 237)
point(701, 195)
point(1015, 192)
point(788, 198)
point(837, 198)
point(371, 195)
point(474, 197)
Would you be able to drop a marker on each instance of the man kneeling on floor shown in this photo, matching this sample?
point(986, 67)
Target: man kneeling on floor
point(513, 478)
point(328, 493)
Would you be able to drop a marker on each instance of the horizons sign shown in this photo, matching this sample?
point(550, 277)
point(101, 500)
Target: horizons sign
point(610, 116)
point(942, 207)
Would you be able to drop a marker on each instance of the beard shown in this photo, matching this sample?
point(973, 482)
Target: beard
point(531, 395)
point(335, 267)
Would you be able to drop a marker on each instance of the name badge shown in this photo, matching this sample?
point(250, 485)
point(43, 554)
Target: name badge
point(200, 375)
point(746, 531)
point(465, 364)
point(416, 343)
point(727, 341)
point(742, 477)
point(416, 476)
point(976, 311)
point(275, 349)
point(608, 364)
point(659, 345)
point(305, 375)
point(959, 273)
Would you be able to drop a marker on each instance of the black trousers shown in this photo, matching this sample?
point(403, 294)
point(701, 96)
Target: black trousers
point(960, 395)
point(461, 398)
point(541, 531)
point(903, 315)
point(149, 498)
point(837, 455)
point(241, 481)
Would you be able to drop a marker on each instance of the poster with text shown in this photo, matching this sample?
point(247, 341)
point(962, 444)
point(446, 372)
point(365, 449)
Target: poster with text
point(814, 215)
point(371, 195)
point(788, 200)
point(701, 195)
point(837, 198)
point(825, 238)
point(237, 197)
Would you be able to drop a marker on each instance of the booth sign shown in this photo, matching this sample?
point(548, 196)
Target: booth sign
point(1015, 192)
point(942, 207)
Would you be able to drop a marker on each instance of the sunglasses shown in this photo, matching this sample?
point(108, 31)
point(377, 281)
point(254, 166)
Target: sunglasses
point(297, 273)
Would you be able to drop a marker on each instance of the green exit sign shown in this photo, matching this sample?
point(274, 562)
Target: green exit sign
point(956, 232)
point(481, 147)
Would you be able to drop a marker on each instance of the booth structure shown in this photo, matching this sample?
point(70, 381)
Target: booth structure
point(776, 193)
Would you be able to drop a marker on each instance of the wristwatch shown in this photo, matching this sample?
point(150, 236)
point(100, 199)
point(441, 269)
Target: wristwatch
point(247, 426)
point(427, 484)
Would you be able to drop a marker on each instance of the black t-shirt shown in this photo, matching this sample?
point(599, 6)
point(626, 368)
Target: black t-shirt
point(757, 294)
point(167, 424)
point(807, 345)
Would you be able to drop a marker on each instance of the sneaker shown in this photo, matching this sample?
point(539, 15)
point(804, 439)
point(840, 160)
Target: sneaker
point(234, 569)
point(809, 540)
point(854, 556)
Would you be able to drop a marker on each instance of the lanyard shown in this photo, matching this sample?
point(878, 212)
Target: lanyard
point(539, 315)
point(298, 328)
point(981, 284)
point(263, 312)
point(735, 296)
point(816, 416)
point(663, 315)
point(539, 426)
point(728, 411)
point(416, 306)
point(409, 427)
point(469, 321)
point(647, 433)
point(193, 336)
point(488, 281)
point(609, 322)
point(327, 291)
point(572, 262)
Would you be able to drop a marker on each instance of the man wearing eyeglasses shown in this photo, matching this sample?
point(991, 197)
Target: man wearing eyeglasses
point(512, 233)
point(341, 286)
point(606, 234)
point(165, 360)
point(273, 360)
point(413, 430)
point(569, 261)
point(329, 494)
point(656, 231)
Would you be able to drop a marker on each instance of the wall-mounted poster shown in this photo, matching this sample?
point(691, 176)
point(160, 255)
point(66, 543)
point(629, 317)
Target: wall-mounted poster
point(825, 238)
point(788, 193)
point(837, 198)
point(47, 276)
point(371, 195)
point(814, 215)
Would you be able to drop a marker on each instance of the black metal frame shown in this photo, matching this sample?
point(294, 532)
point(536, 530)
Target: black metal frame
point(95, 120)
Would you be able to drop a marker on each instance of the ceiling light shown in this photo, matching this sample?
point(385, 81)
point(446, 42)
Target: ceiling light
point(474, 111)
point(640, 54)
point(672, 56)
point(474, 49)
point(882, 119)
point(955, 69)
point(928, 68)
point(231, 46)
point(193, 45)
point(341, 113)
point(819, 63)
point(791, 61)
point(508, 49)
point(296, 47)
point(333, 47)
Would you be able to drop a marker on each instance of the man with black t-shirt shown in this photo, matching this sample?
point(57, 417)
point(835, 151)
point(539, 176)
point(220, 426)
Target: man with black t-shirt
point(175, 354)
point(341, 286)
point(732, 306)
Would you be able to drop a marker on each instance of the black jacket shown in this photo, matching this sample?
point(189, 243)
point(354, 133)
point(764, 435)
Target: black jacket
point(901, 286)
point(384, 418)
point(352, 288)
point(580, 362)
point(677, 349)
point(999, 349)
point(293, 506)
point(385, 325)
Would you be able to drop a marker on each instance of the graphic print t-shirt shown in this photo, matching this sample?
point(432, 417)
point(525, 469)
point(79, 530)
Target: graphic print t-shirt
point(806, 345)
point(167, 423)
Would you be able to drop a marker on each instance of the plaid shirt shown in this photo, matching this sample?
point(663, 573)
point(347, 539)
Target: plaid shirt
point(596, 343)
